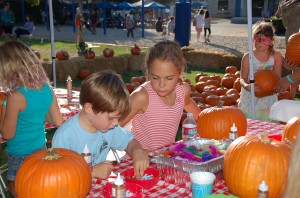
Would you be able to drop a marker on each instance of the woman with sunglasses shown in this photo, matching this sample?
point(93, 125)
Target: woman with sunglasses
point(264, 58)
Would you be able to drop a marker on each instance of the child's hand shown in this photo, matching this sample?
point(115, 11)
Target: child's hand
point(289, 64)
point(140, 162)
point(102, 170)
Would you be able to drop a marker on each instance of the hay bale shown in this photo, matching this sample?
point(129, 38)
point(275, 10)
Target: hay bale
point(136, 62)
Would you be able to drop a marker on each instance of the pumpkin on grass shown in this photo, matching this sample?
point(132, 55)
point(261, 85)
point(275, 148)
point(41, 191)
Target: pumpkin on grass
point(249, 160)
point(53, 173)
point(291, 129)
point(215, 122)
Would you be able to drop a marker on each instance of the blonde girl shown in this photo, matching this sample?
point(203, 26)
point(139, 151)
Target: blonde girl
point(30, 101)
point(157, 105)
point(264, 58)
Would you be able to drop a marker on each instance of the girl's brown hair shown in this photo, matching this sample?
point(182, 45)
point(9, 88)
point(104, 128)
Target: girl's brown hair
point(267, 29)
point(20, 67)
point(106, 91)
point(166, 51)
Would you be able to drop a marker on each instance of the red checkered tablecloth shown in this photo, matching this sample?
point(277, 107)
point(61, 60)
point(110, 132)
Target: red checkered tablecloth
point(165, 189)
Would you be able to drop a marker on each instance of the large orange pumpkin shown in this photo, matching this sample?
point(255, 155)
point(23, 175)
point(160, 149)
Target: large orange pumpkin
point(62, 55)
point(293, 48)
point(53, 173)
point(291, 129)
point(249, 160)
point(215, 122)
point(267, 80)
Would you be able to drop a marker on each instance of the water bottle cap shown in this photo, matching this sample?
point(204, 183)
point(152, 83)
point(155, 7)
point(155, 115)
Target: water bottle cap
point(233, 128)
point(263, 186)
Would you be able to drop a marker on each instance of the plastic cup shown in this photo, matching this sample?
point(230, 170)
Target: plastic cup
point(202, 184)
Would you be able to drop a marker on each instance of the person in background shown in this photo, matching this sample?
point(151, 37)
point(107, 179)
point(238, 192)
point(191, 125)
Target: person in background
point(7, 20)
point(79, 25)
point(130, 24)
point(157, 105)
point(199, 23)
point(29, 103)
point(104, 99)
point(43, 16)
point(159, 25)
point(27, 29)
point(207, 22)
point(264, 58)
point(94, 21)
point(171, 25)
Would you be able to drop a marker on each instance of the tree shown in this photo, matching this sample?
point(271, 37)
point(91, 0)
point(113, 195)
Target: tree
point(33, 2)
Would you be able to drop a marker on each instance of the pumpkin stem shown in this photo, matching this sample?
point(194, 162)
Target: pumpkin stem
point(264, 138)
point(52, 155)
point(220, 104)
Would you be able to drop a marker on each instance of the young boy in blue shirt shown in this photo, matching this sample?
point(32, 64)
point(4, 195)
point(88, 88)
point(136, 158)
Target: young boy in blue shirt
point(104, 100)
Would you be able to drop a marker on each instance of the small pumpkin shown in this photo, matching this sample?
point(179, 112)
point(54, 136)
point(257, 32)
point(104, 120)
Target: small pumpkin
point(231, 69)
point(293, 49)
point(107, 52)
point(249, 160)
point(89, 54)
point(215, 122)
point(291, 129)
point(267, 80)
point(83, 73)
point(135, 50)
point(53, 173)
point(62, 55)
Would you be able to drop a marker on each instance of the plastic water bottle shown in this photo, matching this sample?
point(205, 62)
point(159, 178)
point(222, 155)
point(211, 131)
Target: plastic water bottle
point(189, 127)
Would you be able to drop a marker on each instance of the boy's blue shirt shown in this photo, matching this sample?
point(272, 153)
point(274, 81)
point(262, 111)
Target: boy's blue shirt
point(72, 136)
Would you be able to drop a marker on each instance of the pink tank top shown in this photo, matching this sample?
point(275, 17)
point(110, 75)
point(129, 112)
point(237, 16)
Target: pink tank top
point(157, 127)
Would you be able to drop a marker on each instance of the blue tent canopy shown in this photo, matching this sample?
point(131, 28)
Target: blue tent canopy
point(125, 5)
point(154, 6)
point(197, 4)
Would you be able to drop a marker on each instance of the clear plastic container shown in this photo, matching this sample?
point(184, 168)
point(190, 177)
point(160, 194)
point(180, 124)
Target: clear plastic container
point(189, 127)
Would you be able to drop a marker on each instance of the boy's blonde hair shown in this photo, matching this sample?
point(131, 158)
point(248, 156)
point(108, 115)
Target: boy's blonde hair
point(20, 67)
point(106, 91)
point(168, 51)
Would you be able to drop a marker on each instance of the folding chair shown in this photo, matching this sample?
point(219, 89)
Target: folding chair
point(284, 110)
point(27, 38)
point(3, 187)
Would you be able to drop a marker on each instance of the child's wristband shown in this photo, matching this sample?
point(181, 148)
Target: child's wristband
point(4, 102)
point(289, 79)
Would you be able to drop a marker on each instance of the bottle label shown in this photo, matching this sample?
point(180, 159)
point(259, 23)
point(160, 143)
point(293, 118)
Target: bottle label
point(189, 130)
point(233, 135)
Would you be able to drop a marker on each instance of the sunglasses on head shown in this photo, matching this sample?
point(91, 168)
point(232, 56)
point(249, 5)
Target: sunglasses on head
point(265, 40)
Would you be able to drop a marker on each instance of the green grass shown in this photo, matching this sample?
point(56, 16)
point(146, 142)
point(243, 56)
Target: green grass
point(45, 48)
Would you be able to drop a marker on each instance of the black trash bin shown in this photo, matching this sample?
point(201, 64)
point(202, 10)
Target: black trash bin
point(183, 23)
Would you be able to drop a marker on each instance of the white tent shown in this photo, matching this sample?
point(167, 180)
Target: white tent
point(52, 42)
point(249, 15)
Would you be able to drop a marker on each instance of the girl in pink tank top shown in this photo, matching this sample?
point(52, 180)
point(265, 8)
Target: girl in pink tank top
point(157, 105)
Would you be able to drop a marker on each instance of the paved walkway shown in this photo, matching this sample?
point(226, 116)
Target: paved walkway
point(226, 37)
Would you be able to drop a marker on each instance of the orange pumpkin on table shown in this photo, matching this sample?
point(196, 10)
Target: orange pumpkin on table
point(267, 80)
point(291, 129)
point(215, 122)
point(293, 49)
point(53, 173)
point(249, 160)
